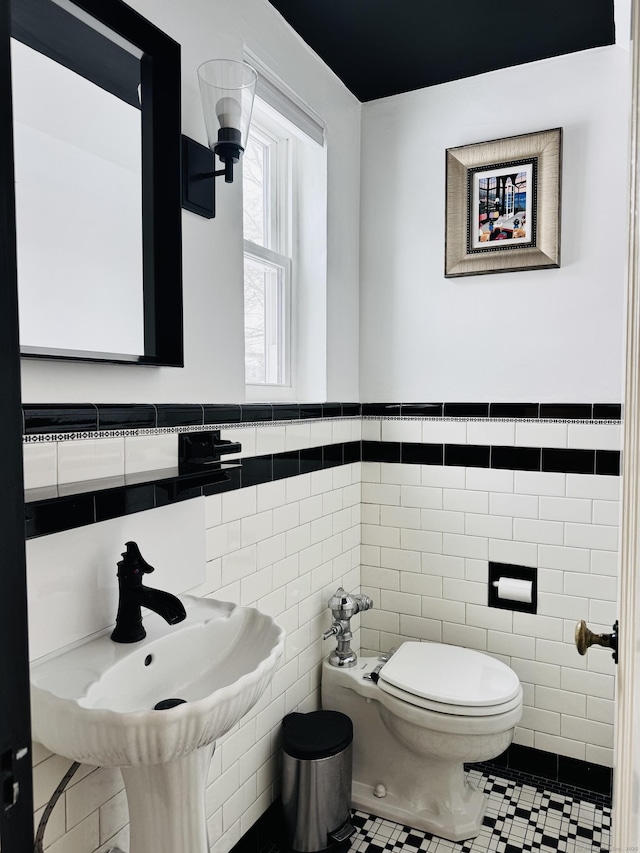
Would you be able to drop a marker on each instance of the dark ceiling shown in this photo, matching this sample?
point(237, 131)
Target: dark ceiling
point(383, 47)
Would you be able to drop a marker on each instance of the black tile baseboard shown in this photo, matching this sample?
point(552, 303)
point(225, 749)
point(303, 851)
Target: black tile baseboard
point(558, 768)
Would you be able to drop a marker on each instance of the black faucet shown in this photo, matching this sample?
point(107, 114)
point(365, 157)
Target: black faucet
point(133, 595)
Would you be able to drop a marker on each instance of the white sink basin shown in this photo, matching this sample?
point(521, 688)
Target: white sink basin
point(94, 702)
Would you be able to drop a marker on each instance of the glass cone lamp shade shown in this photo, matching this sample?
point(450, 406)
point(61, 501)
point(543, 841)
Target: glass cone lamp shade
point(227, 88)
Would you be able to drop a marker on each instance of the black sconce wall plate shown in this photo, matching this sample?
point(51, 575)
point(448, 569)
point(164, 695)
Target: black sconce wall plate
point(198, 193)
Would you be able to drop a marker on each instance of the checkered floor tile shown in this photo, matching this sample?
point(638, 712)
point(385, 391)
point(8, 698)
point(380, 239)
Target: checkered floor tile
point(520, 818)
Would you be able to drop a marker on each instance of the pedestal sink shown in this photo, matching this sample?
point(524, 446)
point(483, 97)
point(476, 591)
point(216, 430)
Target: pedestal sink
point(95, 702)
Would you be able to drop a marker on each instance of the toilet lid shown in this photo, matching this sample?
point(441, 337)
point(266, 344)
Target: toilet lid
point(450, 675)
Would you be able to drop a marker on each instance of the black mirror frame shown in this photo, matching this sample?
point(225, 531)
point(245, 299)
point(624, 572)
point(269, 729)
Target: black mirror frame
point(161, 191)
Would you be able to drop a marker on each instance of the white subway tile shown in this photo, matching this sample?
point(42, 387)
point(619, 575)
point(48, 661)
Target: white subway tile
point(517, 553)
point(540, 720)
point(596, 486)
point(599, 755)
point(421, 496)
point(239, 503)
point(605, 562)
point(464, 500)
point(602, 613)
point(151, 453)
point(402, 430)
point(534, 672)
point(541, 532)
point(83, 838)
point(270, 439)
point(331, 501)
point(387, 537)
point(595, 536)
point(467, 591)
point(340, 430)
point(222, 540)
point(589, 683)
point(321, 481)
point(351, 495)
point(298, 539)
point(518, 506)
point(342, 520)
point(381, 620)
point(464, 635)
point(426, 585)
point(238, 565)
point(401, 602)
point(381, 578)
point(465, 546)
point(523, 737)
point(256, 528)
point(297, 435)
point(577, 728)
point(444, 610)
point(600, 710)
point(213, 510)
point(507, 643)
point(90, 460)
point(607, 512)
point(562, 701)
point(285, 517)
point(401, 475)
point(489, 480)
point(400, 516)
point(564, 559)
point(496, 433)
point(550, 580)
point(565, 509)
point(562, 654)
point(540, 483)
point(369, 513)
point(443, 477)
point(541, 435)
point(595, 436)
point(91, 792)
point(444, 432)
point(371, 430)
point(591, 586)
point(400, 559)
point(443, 565)
point(298, 488)
point(559, 745)
point(442, 521)
point(488, 617)
point(274, 603)
point(40, 464)
point(270, 550)
point(270, 495)
point(420, 628)
point(476, 570)
point(378, 493)
point(535, 625)
point(421, 540)
point(370, 555)
point(491, 526)
point(562, 606)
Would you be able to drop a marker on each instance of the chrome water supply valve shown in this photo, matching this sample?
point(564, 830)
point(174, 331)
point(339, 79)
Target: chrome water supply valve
point(343, 606)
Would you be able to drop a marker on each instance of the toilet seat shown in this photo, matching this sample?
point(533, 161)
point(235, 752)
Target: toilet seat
point(422, 675)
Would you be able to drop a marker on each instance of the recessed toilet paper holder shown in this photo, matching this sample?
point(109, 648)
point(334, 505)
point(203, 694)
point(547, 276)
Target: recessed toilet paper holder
point(513, 587)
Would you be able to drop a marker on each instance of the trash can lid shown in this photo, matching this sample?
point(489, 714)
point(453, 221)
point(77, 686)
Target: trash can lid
point(319, 734)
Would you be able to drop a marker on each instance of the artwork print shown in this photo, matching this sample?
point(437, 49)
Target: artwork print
point(502, 206)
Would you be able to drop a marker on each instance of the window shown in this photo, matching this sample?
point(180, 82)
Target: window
point(268, 309)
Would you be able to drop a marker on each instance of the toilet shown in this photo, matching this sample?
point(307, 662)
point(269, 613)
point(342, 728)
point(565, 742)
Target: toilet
point(417, 719)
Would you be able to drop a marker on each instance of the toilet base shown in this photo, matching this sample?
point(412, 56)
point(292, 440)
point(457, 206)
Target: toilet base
point(454, 827)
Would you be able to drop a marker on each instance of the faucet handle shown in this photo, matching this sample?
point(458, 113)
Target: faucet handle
point(133, 563)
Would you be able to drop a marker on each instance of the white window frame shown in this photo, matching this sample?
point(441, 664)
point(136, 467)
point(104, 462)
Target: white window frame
point(281, 168)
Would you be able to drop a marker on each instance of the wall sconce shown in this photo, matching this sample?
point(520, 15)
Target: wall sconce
point(227, 88)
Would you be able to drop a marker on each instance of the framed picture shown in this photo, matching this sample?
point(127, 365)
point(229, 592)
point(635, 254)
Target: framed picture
point(503, 205)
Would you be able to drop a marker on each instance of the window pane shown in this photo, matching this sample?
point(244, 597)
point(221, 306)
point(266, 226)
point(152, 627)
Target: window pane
point(255, 185)
point(263, 310)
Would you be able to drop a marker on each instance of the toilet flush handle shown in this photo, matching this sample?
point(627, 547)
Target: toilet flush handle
point(585, 638)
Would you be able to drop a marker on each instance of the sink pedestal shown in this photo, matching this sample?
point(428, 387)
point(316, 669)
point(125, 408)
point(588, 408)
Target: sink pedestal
point(167, 804)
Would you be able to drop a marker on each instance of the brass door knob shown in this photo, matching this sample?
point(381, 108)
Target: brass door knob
point(585, 638)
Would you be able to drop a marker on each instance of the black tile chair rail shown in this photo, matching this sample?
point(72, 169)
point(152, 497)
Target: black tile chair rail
point(94, 417)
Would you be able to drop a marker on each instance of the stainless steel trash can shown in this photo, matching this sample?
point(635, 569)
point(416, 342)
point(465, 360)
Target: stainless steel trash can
point(316, 780)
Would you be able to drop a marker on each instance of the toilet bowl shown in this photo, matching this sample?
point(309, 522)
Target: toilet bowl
point(433, 708)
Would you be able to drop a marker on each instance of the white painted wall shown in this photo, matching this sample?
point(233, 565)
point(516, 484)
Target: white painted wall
point(212, 249)
point(552, 335)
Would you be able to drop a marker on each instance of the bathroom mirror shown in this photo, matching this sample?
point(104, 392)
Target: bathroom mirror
point(96, 99)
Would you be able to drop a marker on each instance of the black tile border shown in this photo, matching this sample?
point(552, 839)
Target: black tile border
point(551, 767)
point(94, 417)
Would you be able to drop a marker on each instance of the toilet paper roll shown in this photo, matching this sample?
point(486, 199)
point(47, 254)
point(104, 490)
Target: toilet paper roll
point(514, 589)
